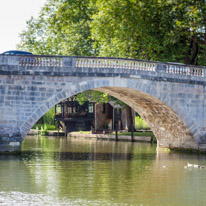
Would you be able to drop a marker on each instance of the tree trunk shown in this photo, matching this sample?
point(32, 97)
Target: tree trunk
point(193, 51)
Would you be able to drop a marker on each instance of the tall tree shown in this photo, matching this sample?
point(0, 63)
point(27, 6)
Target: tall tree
point(162, 30)
point(62, 28)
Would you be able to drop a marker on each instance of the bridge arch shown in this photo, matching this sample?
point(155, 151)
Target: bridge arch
point(168, 120)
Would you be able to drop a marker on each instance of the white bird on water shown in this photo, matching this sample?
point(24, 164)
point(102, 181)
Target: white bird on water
point(193, 165)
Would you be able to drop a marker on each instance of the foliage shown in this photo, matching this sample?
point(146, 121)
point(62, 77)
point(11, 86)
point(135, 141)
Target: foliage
point(49, 126)
point(140, 123)
point(96, 96)
point(159, 30)
point(162, 30)
point(44, 130)
point(62, 28)
point(48, 118)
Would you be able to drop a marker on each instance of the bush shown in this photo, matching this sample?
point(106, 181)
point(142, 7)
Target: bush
point(140, 123)
point(49, 126)
point(44, 129)
point(48, 118)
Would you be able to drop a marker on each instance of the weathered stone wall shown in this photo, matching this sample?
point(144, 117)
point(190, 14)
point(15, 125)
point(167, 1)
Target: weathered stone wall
point(172, 104)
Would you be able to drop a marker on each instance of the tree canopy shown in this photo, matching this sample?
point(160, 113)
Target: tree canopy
point(162, 30)
point(62, 28)
point(159, 30)
point(98, 97)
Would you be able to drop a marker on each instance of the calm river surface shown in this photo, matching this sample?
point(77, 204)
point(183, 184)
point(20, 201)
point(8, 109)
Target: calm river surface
point(60, 171)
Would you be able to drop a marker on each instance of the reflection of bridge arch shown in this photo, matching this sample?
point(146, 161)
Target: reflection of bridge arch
point(169, 97)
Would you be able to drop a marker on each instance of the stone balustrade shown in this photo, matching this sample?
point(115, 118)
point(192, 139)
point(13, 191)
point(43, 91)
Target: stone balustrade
point(41, 61)
point(185, 70)
point(114, 63)
point(101, 62)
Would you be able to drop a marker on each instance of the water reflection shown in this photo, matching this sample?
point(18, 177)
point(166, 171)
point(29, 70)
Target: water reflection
point(60, 171)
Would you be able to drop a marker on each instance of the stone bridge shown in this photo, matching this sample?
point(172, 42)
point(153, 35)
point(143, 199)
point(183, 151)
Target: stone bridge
point(170, 97)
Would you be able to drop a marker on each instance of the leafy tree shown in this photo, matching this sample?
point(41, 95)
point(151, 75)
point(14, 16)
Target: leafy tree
point(162, 30)
point(96, 96)
point(49, 116)
point(61, 29)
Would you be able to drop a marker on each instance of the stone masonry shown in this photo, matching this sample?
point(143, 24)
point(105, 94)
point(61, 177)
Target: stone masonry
point(170, 97)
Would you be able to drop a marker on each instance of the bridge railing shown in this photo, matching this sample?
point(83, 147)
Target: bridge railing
point(114, 63)
point(44, 61)
point(101, 62)
point(185, 70)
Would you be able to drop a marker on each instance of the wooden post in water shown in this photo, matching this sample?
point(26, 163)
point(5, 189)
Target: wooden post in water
point(116, 133)
point(132, 133)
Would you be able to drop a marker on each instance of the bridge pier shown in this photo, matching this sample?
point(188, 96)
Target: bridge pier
point(191, 146)
point(10, 147)
point(10, 142)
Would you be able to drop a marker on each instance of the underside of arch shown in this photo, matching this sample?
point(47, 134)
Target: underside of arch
point(168, 127)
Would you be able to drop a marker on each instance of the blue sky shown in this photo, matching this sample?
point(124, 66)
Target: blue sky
point(13, 17)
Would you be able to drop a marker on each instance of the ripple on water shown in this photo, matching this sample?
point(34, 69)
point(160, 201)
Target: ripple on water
point(25, 199)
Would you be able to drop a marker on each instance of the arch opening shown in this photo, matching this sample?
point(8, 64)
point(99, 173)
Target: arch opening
point(170, 130)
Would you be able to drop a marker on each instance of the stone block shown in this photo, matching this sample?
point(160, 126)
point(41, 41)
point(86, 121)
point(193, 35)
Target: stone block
point(14, 144)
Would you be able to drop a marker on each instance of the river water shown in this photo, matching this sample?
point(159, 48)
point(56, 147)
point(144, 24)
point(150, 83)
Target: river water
point(60, 171)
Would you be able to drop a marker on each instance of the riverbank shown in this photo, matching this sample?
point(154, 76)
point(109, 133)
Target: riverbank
point(112, 137)
point(49, 132)
point(142, 137)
